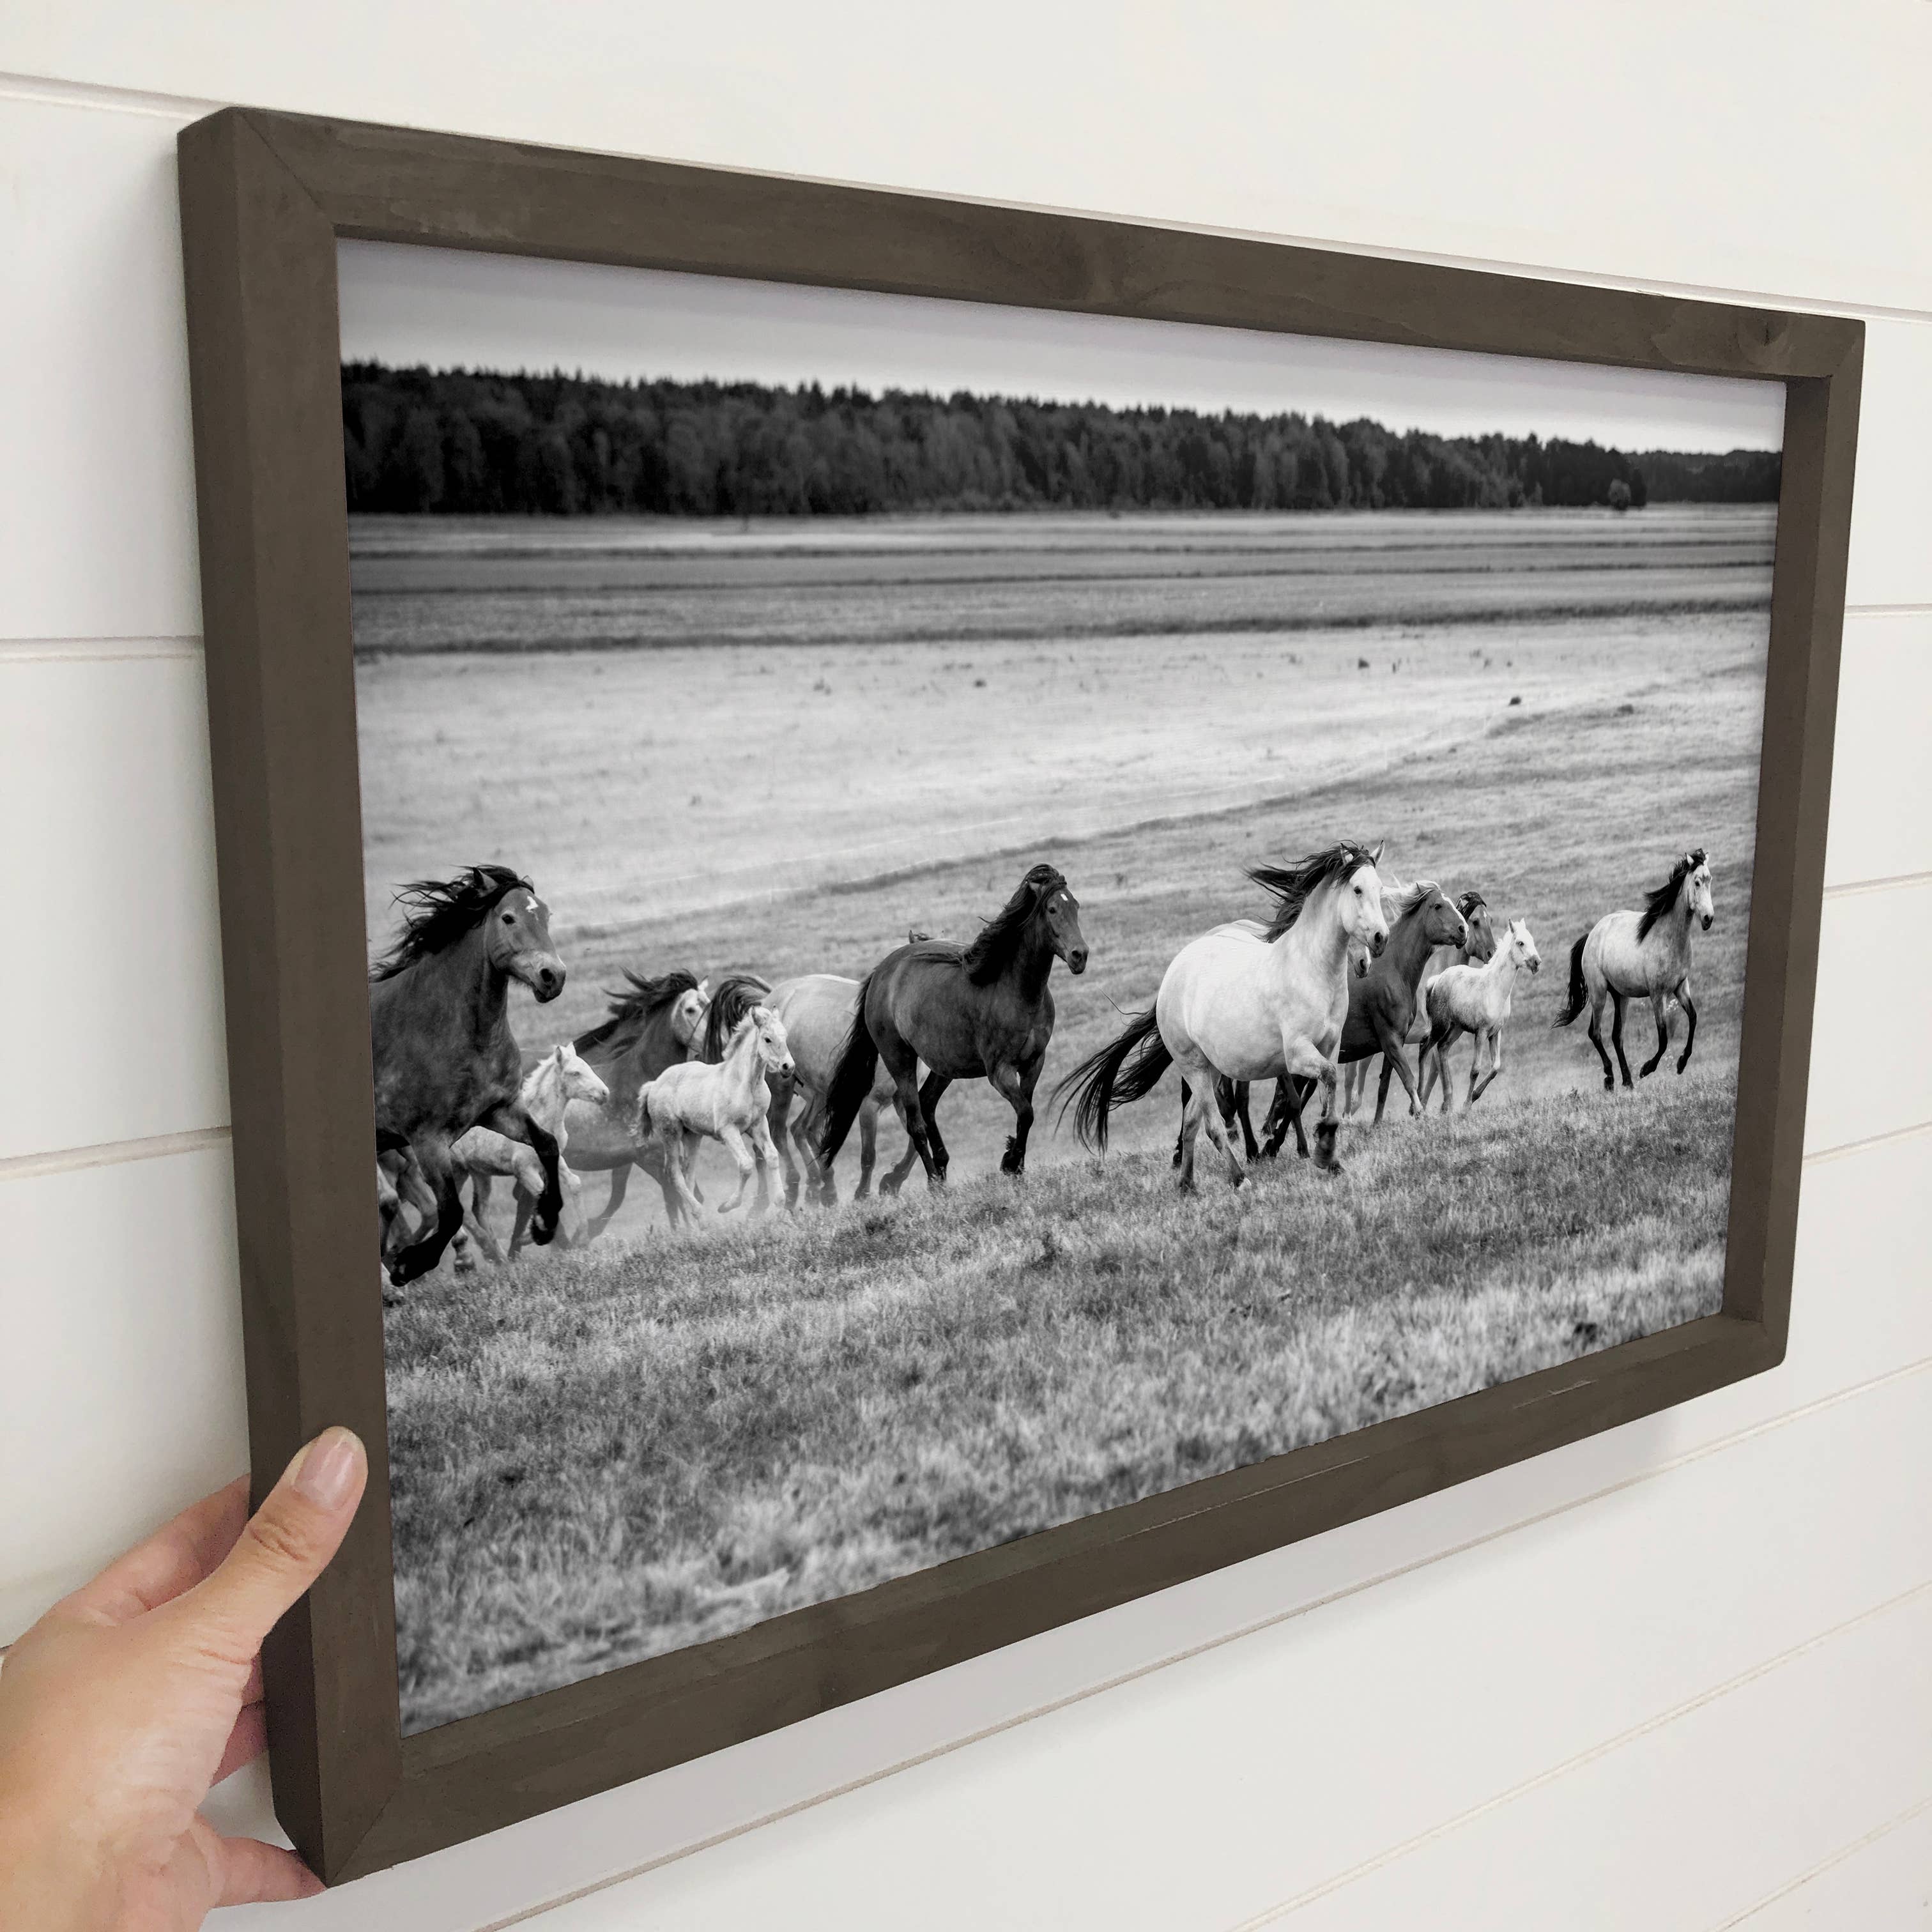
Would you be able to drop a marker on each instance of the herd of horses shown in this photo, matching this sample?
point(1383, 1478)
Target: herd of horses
point(1349, 966)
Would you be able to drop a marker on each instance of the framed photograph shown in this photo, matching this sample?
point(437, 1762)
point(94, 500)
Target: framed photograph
point(934, 915)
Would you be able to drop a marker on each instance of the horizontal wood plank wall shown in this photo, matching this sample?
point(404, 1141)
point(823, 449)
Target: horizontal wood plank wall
point(1452, 1710)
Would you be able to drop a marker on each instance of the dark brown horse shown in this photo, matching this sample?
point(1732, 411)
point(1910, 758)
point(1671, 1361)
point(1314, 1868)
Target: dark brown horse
point(445, 1059)
point(654, 1023)
point(982, 1011)
point(1384, 1003)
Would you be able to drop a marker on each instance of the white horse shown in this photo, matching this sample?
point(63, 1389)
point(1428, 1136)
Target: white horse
point(817, 1010)
point(1628, 955)
point(728, 1100)
point(1476, 1000)
point(1482, 946)
point(1236, 1005)
point(559, 1077)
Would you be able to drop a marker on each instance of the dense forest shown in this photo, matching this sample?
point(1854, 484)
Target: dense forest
point(416, 439)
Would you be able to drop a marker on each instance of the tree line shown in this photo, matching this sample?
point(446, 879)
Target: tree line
point(460, 441)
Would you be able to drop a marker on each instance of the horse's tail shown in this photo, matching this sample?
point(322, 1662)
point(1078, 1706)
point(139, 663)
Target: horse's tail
point(851, 1082)
point(1105, 1080)
point(1573, 1005)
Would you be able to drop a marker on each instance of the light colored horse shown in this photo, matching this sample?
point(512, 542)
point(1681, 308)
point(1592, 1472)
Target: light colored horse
point(1482, 946)
point(728, 1101)
point(653, 1024)
point(1237, 1006)
point(1476, 1000)
point(1628, 955)
point(817, 1010)
point(559, 1077)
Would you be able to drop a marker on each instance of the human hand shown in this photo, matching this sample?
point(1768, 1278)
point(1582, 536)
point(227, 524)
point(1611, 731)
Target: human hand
point(129, 1699)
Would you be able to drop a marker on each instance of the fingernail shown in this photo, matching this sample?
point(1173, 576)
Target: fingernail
point(328, 1472)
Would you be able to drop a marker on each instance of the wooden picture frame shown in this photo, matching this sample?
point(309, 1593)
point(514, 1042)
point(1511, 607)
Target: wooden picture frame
point(265, 199)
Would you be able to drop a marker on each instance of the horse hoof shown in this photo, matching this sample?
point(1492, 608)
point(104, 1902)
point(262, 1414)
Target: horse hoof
point(887, 1187)
point(542, 1232)
point(1237, 1179)
point(1682, 1063)
point(1186, 1184)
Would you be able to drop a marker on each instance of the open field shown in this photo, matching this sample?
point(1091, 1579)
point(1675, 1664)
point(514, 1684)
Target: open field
point(600, 1458)
point(606, 1453)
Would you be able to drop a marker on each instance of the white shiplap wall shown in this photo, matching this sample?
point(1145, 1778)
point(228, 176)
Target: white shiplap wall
point(1676, 1676)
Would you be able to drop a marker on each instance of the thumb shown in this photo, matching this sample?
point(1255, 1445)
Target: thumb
point(288, 1542)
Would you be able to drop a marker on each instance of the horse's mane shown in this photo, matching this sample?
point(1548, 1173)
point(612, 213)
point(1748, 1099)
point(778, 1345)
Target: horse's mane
point(731, 1003)
point(1470, 904)
point(1660, 902)
point(633, 1005)
point(992, 952)
point(1410, 898)
point(1294, 884)
point(438, 912)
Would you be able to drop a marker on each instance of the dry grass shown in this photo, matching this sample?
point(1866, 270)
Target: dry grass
point(599, 1458)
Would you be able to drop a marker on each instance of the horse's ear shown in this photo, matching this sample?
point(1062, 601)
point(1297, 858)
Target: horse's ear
point(1376, 856)
point(702, 990)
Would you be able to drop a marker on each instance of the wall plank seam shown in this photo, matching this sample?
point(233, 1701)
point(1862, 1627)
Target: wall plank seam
point(1256, 1626)
point(84, 96)
point(1875, 1836)
point(1767, 1666)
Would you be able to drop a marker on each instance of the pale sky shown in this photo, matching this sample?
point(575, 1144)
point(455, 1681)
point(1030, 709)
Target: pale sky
point(451, 308)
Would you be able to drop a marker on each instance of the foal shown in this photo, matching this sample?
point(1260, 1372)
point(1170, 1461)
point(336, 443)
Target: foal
point(558, 1078)
point(1476, 999)
point(728, 1100)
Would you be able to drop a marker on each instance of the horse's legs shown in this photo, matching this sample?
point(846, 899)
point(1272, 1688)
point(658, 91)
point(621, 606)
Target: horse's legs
point(868, 1147)
point(936, 1084)
point(1301, 1059)
point(439, 1177)
point(756, 1135)
point(1241, 1093)
point(512, 1120)
point(1015, 1085)
point(1180, 1132)
point(902, 1063)
point(1660, 1012)
point(620, 1179)
point(1495, 1039)
point(1193, 1108)
point(1291, 1096)
point(779, 1121)
point(1597, 1038)
point(896, 1179)
point(1617, 1003)
point(1690, 1019)
point(476, 1228)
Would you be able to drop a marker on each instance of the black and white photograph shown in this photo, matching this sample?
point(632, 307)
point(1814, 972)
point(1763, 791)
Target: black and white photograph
point(976, 914)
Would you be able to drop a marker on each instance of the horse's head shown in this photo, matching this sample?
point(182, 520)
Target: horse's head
point(581, 1079)
point(1442, 925)
point(1522, 948)
point(773, 1049)
point(1480, 945)
point(687, 1015)
point(1697, 887)
point(519, 944)
point(1362, 915)
point(1061, 911)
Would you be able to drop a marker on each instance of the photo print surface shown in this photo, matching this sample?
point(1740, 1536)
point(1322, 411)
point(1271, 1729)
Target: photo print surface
point(837, 770)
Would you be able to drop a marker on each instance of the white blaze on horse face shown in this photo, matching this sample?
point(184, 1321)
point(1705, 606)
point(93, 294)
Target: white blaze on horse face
point(687, 1017)
point(1701, 906)
point(1362, 911)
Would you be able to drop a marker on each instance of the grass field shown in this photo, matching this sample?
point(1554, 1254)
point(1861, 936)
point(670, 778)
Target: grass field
point(618, 1454)
point(604, 1454)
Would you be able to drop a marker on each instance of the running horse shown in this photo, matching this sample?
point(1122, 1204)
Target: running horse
point(982, 1011)
point(653, 1024)
point(444, 1060)
point(1236, 1005)
point(1630, 956)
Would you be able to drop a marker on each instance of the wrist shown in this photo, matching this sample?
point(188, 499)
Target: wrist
point(50, 1879)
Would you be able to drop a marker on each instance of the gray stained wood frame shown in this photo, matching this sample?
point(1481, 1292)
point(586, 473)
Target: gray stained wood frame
point(265, 199)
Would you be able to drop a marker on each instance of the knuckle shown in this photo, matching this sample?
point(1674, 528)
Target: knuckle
point(286, 1544)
